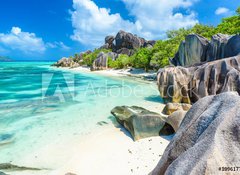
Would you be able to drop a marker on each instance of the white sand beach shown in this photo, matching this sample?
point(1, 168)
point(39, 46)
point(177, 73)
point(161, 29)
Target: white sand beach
point(110, 151)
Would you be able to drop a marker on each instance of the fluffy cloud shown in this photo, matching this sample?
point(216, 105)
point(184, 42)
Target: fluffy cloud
point(23, 41)
point(92, 23)
point(221, 10)
point(152, 19)
point(27, 43)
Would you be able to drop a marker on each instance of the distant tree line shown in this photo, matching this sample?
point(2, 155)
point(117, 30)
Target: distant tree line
point(157, 56)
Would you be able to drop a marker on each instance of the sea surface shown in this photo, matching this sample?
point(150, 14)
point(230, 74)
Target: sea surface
point(40, 104)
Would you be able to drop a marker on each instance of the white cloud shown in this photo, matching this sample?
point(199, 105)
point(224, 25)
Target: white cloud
point(56, 44)
point(92, 23)
point(221, 10)
point(27, 43)
point(23, 41)
point(152, 19)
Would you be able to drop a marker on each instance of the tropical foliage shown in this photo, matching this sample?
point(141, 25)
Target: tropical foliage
point(158, 55)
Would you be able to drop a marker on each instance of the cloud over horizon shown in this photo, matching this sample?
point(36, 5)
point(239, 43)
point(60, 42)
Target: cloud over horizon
point(152, 19)
point(26, 42)
point(22, 41)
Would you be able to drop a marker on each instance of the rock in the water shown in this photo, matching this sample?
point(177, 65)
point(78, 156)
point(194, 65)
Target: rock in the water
point(186, 85)
point(140, 122)
point(11, 167)
point(208, 138)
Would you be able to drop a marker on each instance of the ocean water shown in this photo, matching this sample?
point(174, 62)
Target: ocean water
point(41, 105)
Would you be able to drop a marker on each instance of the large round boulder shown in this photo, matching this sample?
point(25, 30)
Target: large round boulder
point(207, 140)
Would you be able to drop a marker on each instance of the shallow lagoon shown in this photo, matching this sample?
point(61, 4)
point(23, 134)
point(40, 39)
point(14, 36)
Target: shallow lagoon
point(41, 105)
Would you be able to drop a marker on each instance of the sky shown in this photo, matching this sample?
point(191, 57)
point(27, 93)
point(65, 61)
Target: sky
point(50, 29)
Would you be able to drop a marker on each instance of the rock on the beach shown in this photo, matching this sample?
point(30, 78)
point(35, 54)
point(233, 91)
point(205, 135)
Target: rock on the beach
point(208, 138)
point(176, 112)
point(191, 51)
point(216, 47)
point(175, 119)
point(66, 62)
point(101, 62)
point(140, 122)
point(197, 49)
point(186, 85)
point(172, 107)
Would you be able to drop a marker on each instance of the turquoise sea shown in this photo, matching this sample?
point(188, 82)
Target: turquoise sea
point(40, 105)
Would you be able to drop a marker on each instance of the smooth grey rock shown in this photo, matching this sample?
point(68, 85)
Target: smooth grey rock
point(140, 122)
point(217, 46)
point(208, 138)
point(197, 49)
point(191, 51)
point(101, 61)
point(187, 85)
point(175, 119)
point(232, 47)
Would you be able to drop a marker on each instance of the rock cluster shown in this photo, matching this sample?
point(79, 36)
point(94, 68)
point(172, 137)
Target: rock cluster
point(208, 138)
point(140, 122)
point(122, 43)
point(197, 49)
point(187, 85)
point(176, 112)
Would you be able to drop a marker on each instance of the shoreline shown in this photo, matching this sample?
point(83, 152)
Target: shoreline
point(106, 149)
point(130, 72)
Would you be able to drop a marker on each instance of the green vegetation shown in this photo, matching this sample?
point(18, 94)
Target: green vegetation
point(157, 56)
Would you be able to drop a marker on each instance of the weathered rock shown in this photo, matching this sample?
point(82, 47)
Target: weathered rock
point(66, 62)
point(186, 85)
point(140, 122)
point(127, 40)
point(172, 107)
point(176, 113)
point(208, 138)
point(191, 51)
point(125, 51)
point(175, 119)
point(102, 60)
point(109, 41)
point(232, 47)
point(216, 47)
point(197, 49)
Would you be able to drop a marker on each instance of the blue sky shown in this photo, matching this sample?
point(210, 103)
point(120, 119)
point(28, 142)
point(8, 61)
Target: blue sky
point(51, 29)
